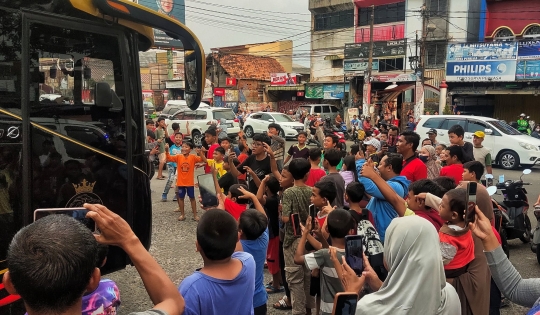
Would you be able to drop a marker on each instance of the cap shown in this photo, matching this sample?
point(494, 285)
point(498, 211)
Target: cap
point(433, 131)
point(374, 142)
point(479, 134)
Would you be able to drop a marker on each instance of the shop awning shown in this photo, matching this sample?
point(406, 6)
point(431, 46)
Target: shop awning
point(286, 88)
point(391, 94)
point(334, 57)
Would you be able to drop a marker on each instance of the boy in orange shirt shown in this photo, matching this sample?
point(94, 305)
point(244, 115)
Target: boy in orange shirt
point(185, 163)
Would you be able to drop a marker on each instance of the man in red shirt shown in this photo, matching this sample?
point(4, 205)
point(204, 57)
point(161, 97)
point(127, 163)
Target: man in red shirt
point(413, 168)
point(454, 164)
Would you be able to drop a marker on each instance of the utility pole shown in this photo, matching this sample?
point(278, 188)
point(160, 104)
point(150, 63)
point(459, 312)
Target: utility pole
point(367, 76)
point(419, 99)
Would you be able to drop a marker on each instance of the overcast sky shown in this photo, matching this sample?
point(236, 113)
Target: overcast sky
point(235, 22)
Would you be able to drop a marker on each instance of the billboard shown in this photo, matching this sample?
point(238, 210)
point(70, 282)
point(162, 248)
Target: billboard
point(174, 9)
point(482, 51)
point(529, 49)
point(391, 48)
point(485, 70)
point(360, 65)
point(335, 91)
point(283, 79)
point(528, 70)
point(314, 91)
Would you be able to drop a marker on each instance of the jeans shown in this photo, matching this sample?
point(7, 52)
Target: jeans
point(171, 170)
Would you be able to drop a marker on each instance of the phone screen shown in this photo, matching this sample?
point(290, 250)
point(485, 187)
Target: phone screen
point(471, 202)
point(77, 213)
point(384, 144)
point(207, 189)
point(345, 304)
point(313, 214)
point(295, 221)
point(354, 253)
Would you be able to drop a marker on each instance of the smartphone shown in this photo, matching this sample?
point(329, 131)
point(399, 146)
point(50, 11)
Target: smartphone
point(77, 213)
point(345, 303)
point(313, 214)
point(354, 253)
point(384, 144)
point(470, 212)
point(207, 189)
point(295, 221)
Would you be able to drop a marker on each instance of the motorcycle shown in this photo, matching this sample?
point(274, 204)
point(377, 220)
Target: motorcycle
point(536, 234)
point(339, 134)
point(513, 211)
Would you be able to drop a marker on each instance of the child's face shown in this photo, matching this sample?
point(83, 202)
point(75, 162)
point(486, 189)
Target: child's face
point(257, 147)
point(209, 138)
point(302, 139)
point(328, 143)
point(286, 179)
point(454, 139)
point(178, 139)
point(371, 149)
point(316, 198)
point(186, 149)
point(383, 137)
point(468, 176)
point(218, 157)
point(225, 144)
point(446, 213)
point(438, 150)
point(412, 203)
point(444, 156)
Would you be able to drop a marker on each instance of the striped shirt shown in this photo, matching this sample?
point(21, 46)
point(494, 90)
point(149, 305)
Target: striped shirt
point(330, 284)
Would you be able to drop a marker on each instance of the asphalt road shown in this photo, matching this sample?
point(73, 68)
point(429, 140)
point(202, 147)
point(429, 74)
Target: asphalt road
point(173, 246)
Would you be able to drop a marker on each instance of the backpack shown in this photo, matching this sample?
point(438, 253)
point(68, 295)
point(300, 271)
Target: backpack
point(373, 247)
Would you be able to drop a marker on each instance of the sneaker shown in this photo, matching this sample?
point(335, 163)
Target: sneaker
point(164, 197)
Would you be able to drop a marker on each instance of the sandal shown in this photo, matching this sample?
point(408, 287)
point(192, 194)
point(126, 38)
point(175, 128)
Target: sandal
point(270, 289)
point(177, 210)
point(182, 218)
point(161, 178)
point(282, 304)
point(195, 218)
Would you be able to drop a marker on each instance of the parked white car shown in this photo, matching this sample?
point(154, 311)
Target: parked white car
point(200, 119)
point(258, 123)
point(509, 148)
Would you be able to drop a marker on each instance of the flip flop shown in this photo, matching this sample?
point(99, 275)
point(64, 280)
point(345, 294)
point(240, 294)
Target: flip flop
point(282, 305)
point(161, 178)
point(182, 218)
point(195, 218)
point(272, 290)
point(177, 210)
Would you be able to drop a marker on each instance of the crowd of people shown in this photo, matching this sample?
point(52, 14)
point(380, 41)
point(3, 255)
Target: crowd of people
point(405, 196)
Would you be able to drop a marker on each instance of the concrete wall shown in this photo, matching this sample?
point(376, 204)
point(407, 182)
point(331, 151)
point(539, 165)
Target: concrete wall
point(322, 71)
point(321, 6)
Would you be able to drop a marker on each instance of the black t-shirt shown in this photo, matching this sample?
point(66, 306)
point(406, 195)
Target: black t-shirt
point(226, 181)
point(340, 187)
point(296, 152)
point(151, 134)
point(272, 212)
point(312, 127)
point(468, 154)
point(261, 168)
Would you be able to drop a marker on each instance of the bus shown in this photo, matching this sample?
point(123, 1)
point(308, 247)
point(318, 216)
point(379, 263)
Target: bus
point(72, 125)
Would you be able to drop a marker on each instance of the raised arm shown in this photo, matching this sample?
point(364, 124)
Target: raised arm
point(253, 198)
point(201, 155)
point(188, 131)
point(260, 192)
point(387, 192)
point(273, 163)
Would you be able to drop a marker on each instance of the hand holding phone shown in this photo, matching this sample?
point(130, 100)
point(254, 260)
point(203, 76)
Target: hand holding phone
point(295, 222)
point(312, 214)
point(345, 303)
point(470, 212)
point(77, 213)
point(354, 253)
point(207, 190)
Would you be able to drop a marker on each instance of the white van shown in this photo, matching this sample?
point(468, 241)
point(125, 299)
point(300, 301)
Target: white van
point(325, 110)
point(509, 147)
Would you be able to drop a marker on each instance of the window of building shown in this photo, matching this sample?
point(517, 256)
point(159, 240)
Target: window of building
point(504, 34)
point(532, 32)
point(337, 63)
point(438, 7)
point(391, 64)
point(435, 55)
point(334, 20)
point(390, 13)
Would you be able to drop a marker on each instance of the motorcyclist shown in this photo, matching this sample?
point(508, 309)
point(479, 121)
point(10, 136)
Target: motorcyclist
point(523, 124)
point(328, 126)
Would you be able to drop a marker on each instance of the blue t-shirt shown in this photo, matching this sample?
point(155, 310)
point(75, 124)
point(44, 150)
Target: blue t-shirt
point(174, 150)
point(210, 296)
point(257, 248)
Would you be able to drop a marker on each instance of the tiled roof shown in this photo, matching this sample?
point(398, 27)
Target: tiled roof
point(249, 66)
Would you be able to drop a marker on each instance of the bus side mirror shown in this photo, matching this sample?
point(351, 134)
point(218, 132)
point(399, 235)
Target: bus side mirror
point(192, 84)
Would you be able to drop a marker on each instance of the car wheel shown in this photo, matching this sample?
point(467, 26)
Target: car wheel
point(196, 137)
point(509, 160)
point(248, 131)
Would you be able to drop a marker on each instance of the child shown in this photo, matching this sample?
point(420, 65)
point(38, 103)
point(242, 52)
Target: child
point(323, 194)
point(296, 200)
point(457, 245)
point(185, 181)
point(339, 224)
point(418, 205)
point(332, 158)
point(217, 161)
point(455, 135)
point(348, 171)
point(234, 204)
point(227, 180)
point(210, 138)
point(472, 171)
point(439, 150)
point(226, 144)
point(242, 157)
point(315, 173)
point(299, 150)
point(175, 149)
point(410, 124)
point(227, 279)
point(454, 163)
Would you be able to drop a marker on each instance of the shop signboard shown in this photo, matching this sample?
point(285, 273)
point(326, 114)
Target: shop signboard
point(391, 48)
point(482, 51)
point(478, 71)
point(335, 91)
point(529, 49)
point(173, 9)
point(359, 65)
point(314, 91)
point(219, 92)
point(528, 70)
point(283, 79)
point(401, 77)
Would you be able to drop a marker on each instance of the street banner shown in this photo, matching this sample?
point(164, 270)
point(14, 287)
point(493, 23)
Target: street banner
point(477, 71)
point(391, 48)
point(394, 77)
point(529, 49)
point(482, 51)
point(173, 9)
point(314, 91)
point(335, 91)
point(283, 79)
point(360, 65)
point(528, 70)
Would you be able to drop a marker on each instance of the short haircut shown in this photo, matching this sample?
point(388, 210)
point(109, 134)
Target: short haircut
point(457, 151)
point(252, 223)
point(393, 128)
point(103, 251)
point(384, 132)
point(273, 184)
point(428, 139)
point(458, 200)
point(354, 149)
point(395, 160)
point(333, 156)
point(48, 272)
point(355, 191)
point(327, 189)
point(275, 126)
point(264, 138)
point(299, 167)
point(335, 139)
point(457, 130)
point(160, 119)
point(220, 150)
point(241, 147)
point(446, 182)
point(442, 146)
point(190, 144)
point(426, 186)
point(217, 234)
point(339, 223)
point(303, 133)
point(150, 122)
point(211, 131)
point(225, 139)
point(412, 137)
point(476, 167)
point(315, 154)
point(175, 126)
point(236, 193)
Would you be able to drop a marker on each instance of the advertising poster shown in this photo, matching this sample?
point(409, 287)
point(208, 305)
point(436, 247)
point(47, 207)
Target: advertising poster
point(529, 49)
point(380, 49)
point(528, 70)
point(482, 51)
point(335, 91)
point(283, 79)
point(359, 65)
point(477, 71)
point(174, 9)
point(314, 91)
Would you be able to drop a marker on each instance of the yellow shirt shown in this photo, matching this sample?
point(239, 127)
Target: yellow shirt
point(218, 166)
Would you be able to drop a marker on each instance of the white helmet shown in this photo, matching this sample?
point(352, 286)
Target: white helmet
point(522, 115)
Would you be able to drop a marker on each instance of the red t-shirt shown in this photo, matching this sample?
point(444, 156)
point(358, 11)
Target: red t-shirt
point(242, 157)
point(464, 245)
point(234, 209)
point(314, 176)
point(210, 155)
point(414, 170)
point(432, 216)
point(455, 171)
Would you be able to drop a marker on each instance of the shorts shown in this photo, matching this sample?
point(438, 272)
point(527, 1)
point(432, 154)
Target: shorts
point(315, 286)
point(183, 190)
point(162, 157)
point(272, 255)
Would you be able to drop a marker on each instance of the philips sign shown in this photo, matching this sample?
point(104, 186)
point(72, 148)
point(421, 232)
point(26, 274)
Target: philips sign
point(503, 70)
